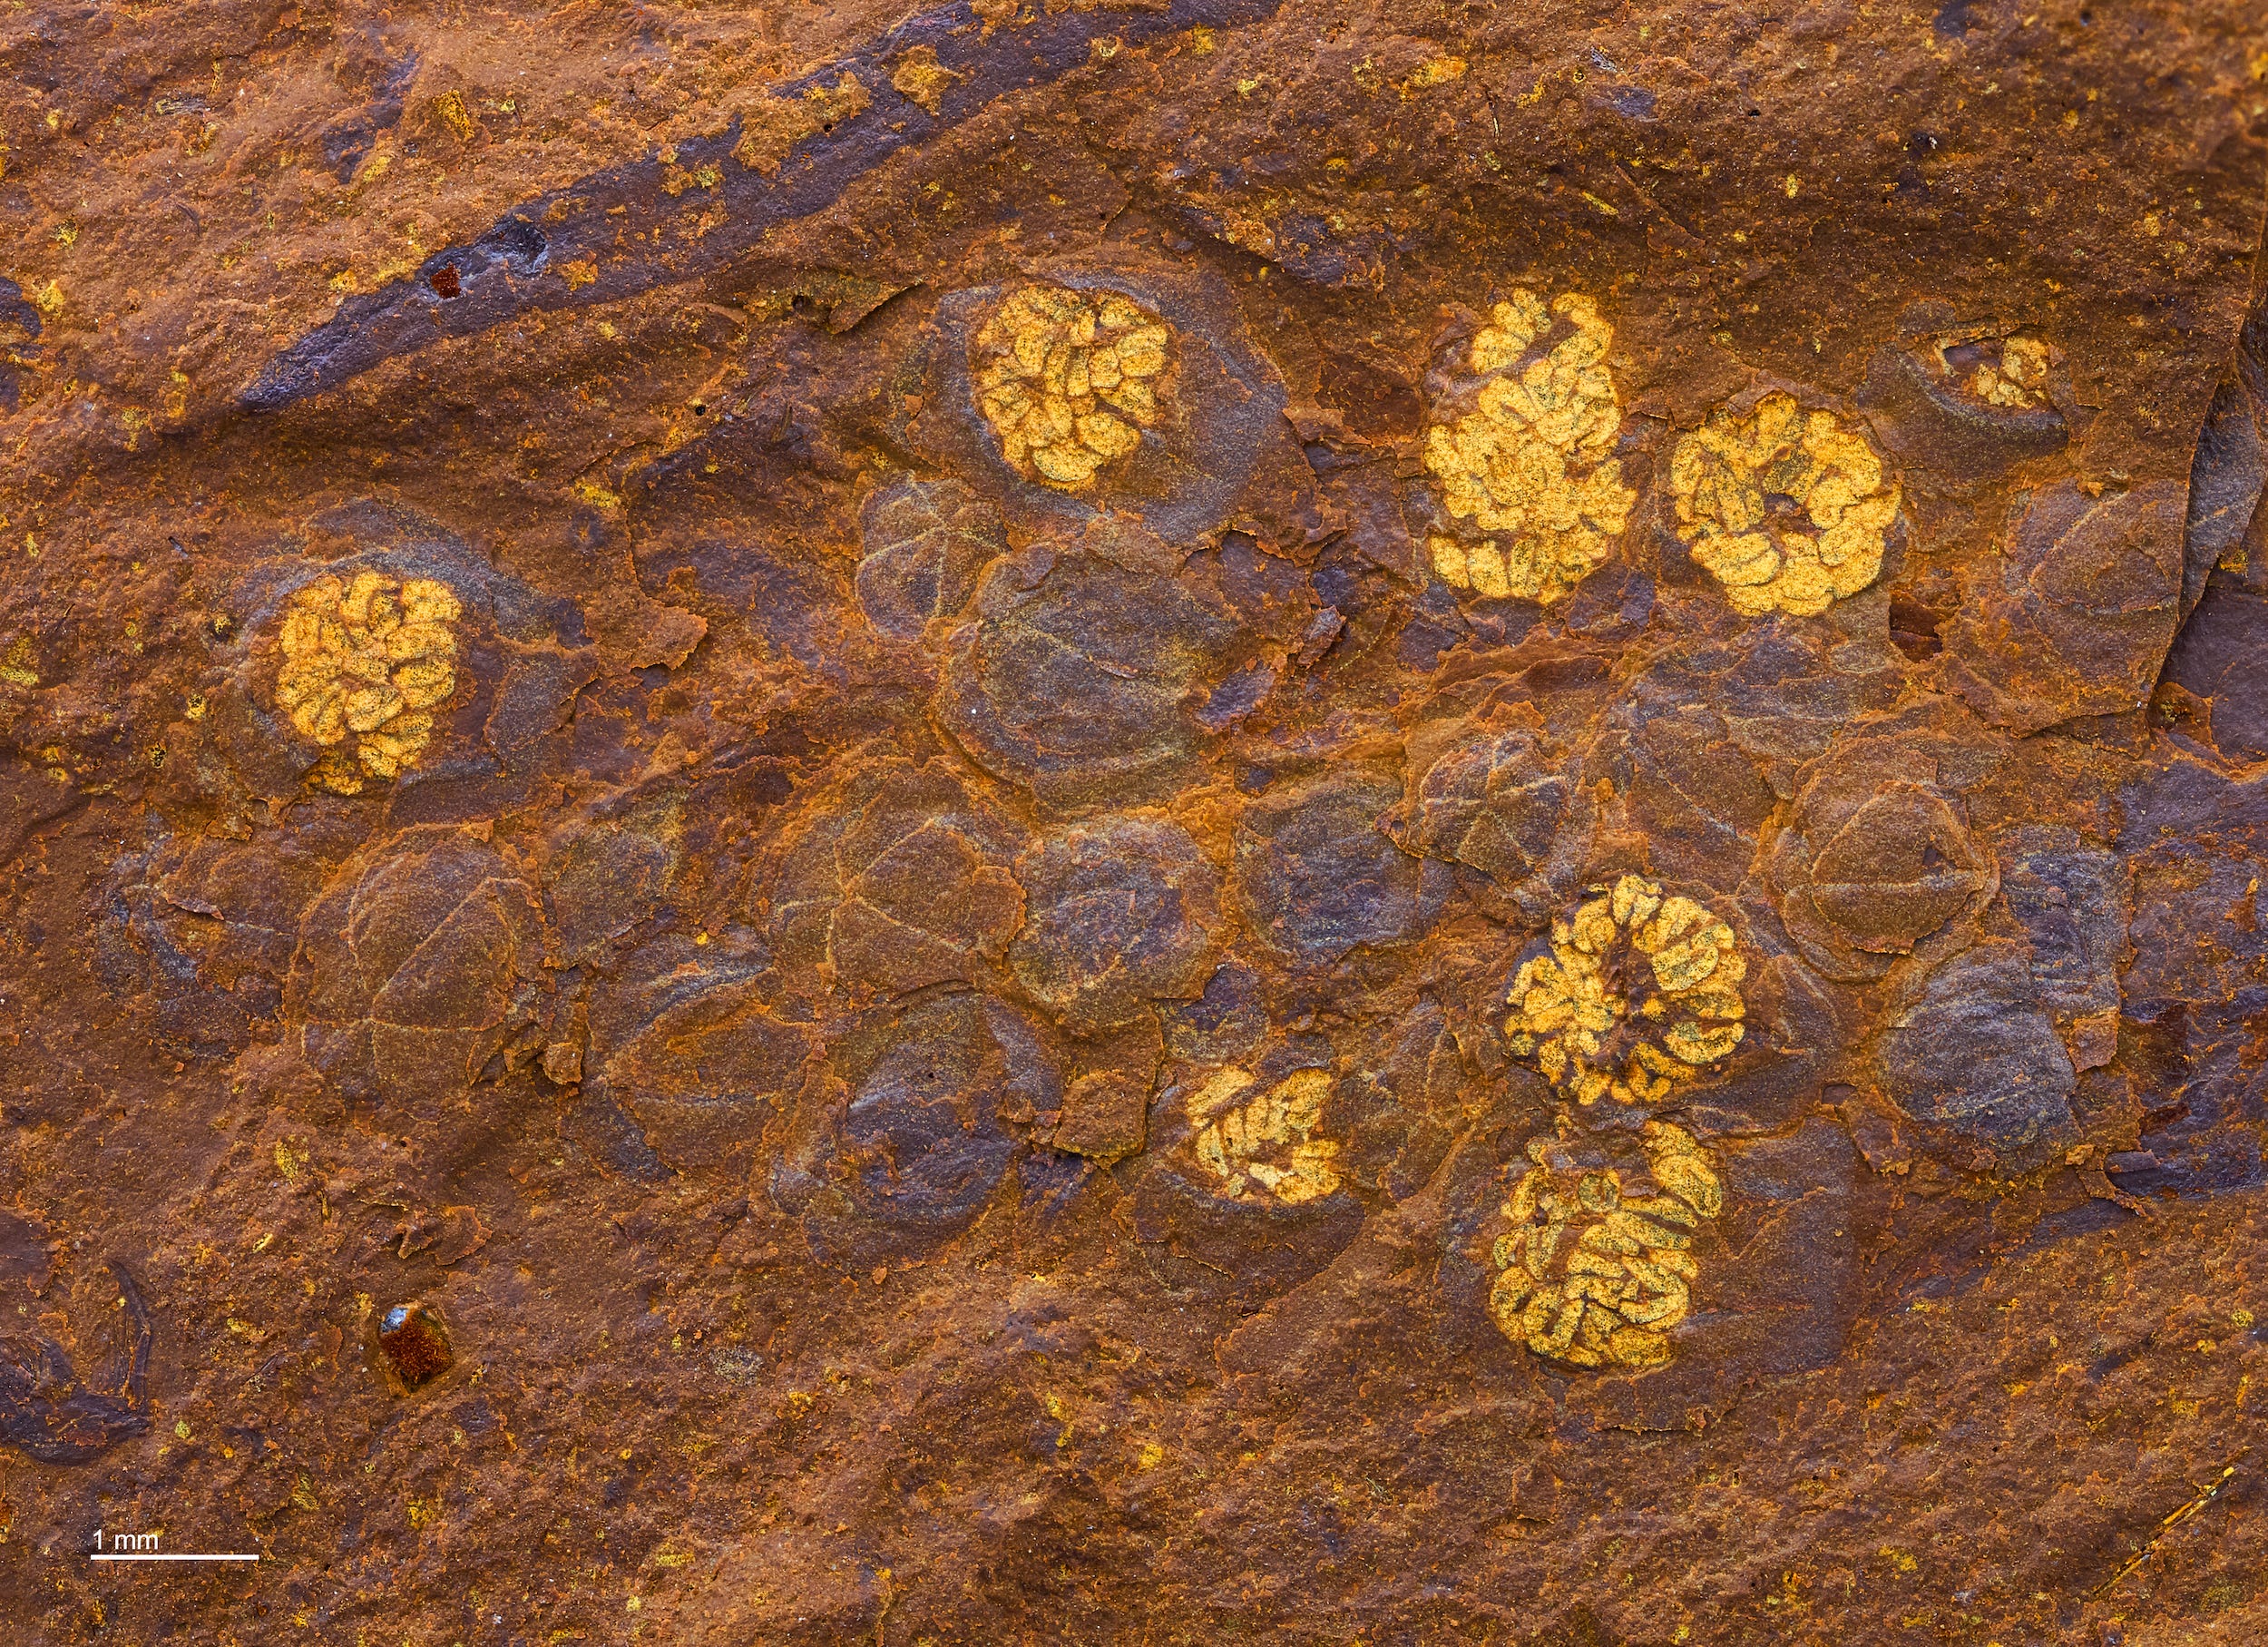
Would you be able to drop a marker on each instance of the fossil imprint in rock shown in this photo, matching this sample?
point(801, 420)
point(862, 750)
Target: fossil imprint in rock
point(1069, 380)
point(1260, 1144)
point(1788, 510)
point(367, 660)
point(1638, 993)
point(1592, 1275)
point(1524, 456)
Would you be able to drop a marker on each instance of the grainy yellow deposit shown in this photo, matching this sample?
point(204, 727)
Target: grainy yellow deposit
point(1069, 380)
point(1640, 993)
point(2018, 380)
point(366, 662)
point(920, 76)
point(772, 127)
point(1590, 1275)
point(1527, 472)
point(1261, 1144)
point(1788, 511)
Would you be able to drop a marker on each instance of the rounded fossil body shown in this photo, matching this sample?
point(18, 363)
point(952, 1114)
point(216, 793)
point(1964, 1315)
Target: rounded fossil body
point(1069, 380)
point(913, 1136)
point(1592, 1275)
point(1085, 677)
point(1523, 454)
point(1496, 796)
point(1107, 389)
point(1119, 912)
point(421, 971)
point(1247, 1188)
point(1871, 866)
point(366, 661)
point(1788, 510)
point(1638, 993)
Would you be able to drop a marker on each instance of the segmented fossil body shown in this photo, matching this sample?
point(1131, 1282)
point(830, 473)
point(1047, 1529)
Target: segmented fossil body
point(1525, 467)
point(367, 660)
point(1787, 510)
point(1260, 1144)
point(1592, 1275)
point(1069, 380)
point(1638, 993)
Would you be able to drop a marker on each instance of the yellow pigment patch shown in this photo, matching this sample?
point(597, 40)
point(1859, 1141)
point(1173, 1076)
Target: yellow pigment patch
point(1067, 379)
point(2017, 379)
point(1525, 460)
point(1788, 511)
point(364, 664)
point(1591, 1275)
point(921, 78)
point(771, 126)
point(17, 668)
point(1434, 72)
point(450, 111)
point(1261, 1145)
point(1639, 994)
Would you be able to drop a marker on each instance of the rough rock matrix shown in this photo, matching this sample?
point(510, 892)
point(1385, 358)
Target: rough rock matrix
point(1134, 821)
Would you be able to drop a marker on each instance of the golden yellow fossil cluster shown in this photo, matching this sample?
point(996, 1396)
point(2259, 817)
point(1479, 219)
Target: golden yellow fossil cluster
point(1592, 1275)
point(1260, 1144)
point(367, 660)
point(1787, 510)
point(1069, 380)
point(1639, 992)
point(1531, 463)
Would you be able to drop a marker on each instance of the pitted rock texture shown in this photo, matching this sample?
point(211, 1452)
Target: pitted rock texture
point(1211, 820)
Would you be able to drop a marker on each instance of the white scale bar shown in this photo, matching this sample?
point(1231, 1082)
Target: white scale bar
point(173, 1558)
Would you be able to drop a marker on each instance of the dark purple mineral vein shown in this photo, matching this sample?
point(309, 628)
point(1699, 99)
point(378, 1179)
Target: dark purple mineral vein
point(514, 266)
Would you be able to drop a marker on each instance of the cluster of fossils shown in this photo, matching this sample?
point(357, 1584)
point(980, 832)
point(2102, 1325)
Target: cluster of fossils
point(1631, 999)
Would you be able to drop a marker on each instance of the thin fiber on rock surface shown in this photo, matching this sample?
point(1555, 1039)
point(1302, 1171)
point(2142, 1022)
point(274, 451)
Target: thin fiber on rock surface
point(1134, 821)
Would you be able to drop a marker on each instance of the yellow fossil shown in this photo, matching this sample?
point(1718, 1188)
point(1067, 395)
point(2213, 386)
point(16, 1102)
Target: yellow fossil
point(1261, 1145)
point(367, 660)
point(1069, 380)
point(1530, 459)
point(1639, 992)
point(1594, 1277)
point(1788, 511)
point(2018, 380)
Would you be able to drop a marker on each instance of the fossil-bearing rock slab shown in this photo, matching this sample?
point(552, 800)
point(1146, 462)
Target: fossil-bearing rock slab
point(1031, 821)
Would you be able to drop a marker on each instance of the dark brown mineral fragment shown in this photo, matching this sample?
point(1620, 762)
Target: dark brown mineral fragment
point(414, 1345)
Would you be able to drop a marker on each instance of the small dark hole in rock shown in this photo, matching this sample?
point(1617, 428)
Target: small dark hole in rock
point(1914, 629)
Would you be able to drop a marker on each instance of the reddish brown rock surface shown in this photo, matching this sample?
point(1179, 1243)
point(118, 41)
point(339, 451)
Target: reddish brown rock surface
point(937, 978)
